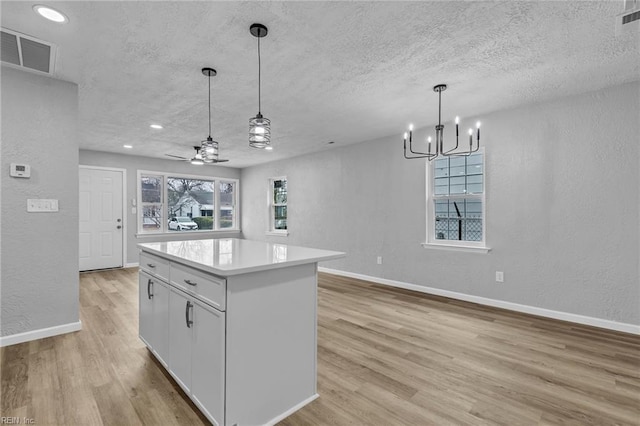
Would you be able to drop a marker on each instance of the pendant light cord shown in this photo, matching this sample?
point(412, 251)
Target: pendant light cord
point(439, 107)
point(209, 105)
point(259, 78)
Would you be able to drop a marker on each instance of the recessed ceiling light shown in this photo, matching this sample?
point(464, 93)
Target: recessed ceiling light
point(156, 126)
point(268, 148)
point(127, 146)
point(51, 14)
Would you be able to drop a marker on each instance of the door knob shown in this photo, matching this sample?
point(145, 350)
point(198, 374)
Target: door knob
point(118, 226)
point(119, 220)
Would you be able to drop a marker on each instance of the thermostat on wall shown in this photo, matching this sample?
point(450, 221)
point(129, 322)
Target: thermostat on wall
point(20, 170)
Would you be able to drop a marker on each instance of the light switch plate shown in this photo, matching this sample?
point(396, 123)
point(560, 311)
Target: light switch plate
point(40, 205)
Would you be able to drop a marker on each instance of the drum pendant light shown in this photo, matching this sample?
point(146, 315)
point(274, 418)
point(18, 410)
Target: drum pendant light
point(259, 126)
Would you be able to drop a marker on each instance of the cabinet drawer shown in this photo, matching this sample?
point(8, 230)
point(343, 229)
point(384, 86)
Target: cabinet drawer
point(209, 288)
point(154, 265)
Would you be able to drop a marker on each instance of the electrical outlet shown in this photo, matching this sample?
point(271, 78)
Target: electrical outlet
point(379, 260)
point(499, 276)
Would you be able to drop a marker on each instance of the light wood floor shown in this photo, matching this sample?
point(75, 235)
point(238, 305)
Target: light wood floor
point(385, 357)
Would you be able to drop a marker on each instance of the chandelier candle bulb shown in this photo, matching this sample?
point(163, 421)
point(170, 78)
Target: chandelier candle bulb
point(478, 126)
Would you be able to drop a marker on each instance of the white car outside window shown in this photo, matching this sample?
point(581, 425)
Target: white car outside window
point(182, 223)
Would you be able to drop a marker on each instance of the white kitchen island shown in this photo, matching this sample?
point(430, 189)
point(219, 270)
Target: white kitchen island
point(234, 323)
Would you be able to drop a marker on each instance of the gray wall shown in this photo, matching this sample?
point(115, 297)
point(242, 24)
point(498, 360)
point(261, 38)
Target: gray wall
point(562, 208)
point(39, 271)
point(134, 163)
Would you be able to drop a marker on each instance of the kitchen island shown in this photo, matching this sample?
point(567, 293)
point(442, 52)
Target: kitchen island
point(234, 323)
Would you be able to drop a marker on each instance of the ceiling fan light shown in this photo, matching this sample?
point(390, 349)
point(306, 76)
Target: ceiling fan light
point(196, 161)
point(259, 132)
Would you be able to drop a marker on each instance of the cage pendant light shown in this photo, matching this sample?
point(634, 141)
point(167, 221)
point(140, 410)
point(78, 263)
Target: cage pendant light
point(209, 147)
point(259, 126)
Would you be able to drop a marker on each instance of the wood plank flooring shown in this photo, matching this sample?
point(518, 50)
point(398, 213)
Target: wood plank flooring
point(385, 357)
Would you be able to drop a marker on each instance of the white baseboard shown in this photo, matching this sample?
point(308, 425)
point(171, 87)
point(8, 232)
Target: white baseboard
point(131, 265)
point(291, 410)
point(28, 336)
point(564, 316)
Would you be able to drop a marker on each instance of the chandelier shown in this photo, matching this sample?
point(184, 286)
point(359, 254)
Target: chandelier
point(439, 142)
point(259, 126)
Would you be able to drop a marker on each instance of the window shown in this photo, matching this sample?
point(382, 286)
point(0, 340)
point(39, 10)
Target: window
point(278, 205)
point(186, 199)
point(177, 203)
point(227, 204)
point(456, 201)
point(151, 203)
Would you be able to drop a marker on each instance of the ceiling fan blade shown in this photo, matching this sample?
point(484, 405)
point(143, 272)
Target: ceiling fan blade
point(176, 156)
point(218, 161)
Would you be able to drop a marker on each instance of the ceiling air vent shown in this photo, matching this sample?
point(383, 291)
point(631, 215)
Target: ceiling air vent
point(27, 52)
point(629, 20)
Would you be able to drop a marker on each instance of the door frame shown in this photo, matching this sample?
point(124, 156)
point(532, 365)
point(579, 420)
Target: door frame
point(124, 206)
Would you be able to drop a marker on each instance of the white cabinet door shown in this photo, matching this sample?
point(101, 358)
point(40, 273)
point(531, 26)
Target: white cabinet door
point(161, 321)
point(207, 383)
point(180, 332)
point(145, 301)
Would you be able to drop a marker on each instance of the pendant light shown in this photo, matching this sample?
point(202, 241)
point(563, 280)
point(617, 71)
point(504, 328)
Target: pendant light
point(259, 126)
point(209, 147)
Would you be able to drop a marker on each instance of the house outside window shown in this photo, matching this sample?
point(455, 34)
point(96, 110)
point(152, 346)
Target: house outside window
point(456, 201)
point(278, 206)
point(187, 197)
point(174, 203)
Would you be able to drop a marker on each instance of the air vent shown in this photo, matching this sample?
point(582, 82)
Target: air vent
point(27, 52)
point(630, 17)
point(629, 20)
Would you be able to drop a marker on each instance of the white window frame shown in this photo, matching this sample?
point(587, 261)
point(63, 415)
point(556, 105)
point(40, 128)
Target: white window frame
point(272, 205)
point(431, 241)
point(164, 230)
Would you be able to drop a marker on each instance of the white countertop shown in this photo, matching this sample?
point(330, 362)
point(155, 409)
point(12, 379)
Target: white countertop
point(233, 256)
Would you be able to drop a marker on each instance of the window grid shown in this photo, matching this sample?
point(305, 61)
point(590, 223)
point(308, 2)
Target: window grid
point(278, 205)
point(456, 197)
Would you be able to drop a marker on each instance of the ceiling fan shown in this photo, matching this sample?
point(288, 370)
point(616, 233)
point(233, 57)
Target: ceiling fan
point(196, 160)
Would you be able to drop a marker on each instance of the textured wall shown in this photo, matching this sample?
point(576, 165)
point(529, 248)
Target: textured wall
point(134, 163)
point(562, 208)
point(39, 277)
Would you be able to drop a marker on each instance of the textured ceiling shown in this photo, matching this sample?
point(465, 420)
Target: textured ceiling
point(331, 71)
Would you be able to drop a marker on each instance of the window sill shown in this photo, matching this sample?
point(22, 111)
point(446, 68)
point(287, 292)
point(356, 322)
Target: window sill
point(278, 233)
point(189, 233)
point(471, 249)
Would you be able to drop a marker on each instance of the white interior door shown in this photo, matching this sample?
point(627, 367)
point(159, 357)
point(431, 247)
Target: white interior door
point(101, 219)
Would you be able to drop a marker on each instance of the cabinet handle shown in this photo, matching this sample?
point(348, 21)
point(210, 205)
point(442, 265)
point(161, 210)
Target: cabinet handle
point(190, 282)
point(151, 265)
point(186, 314)
point(149, 287)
